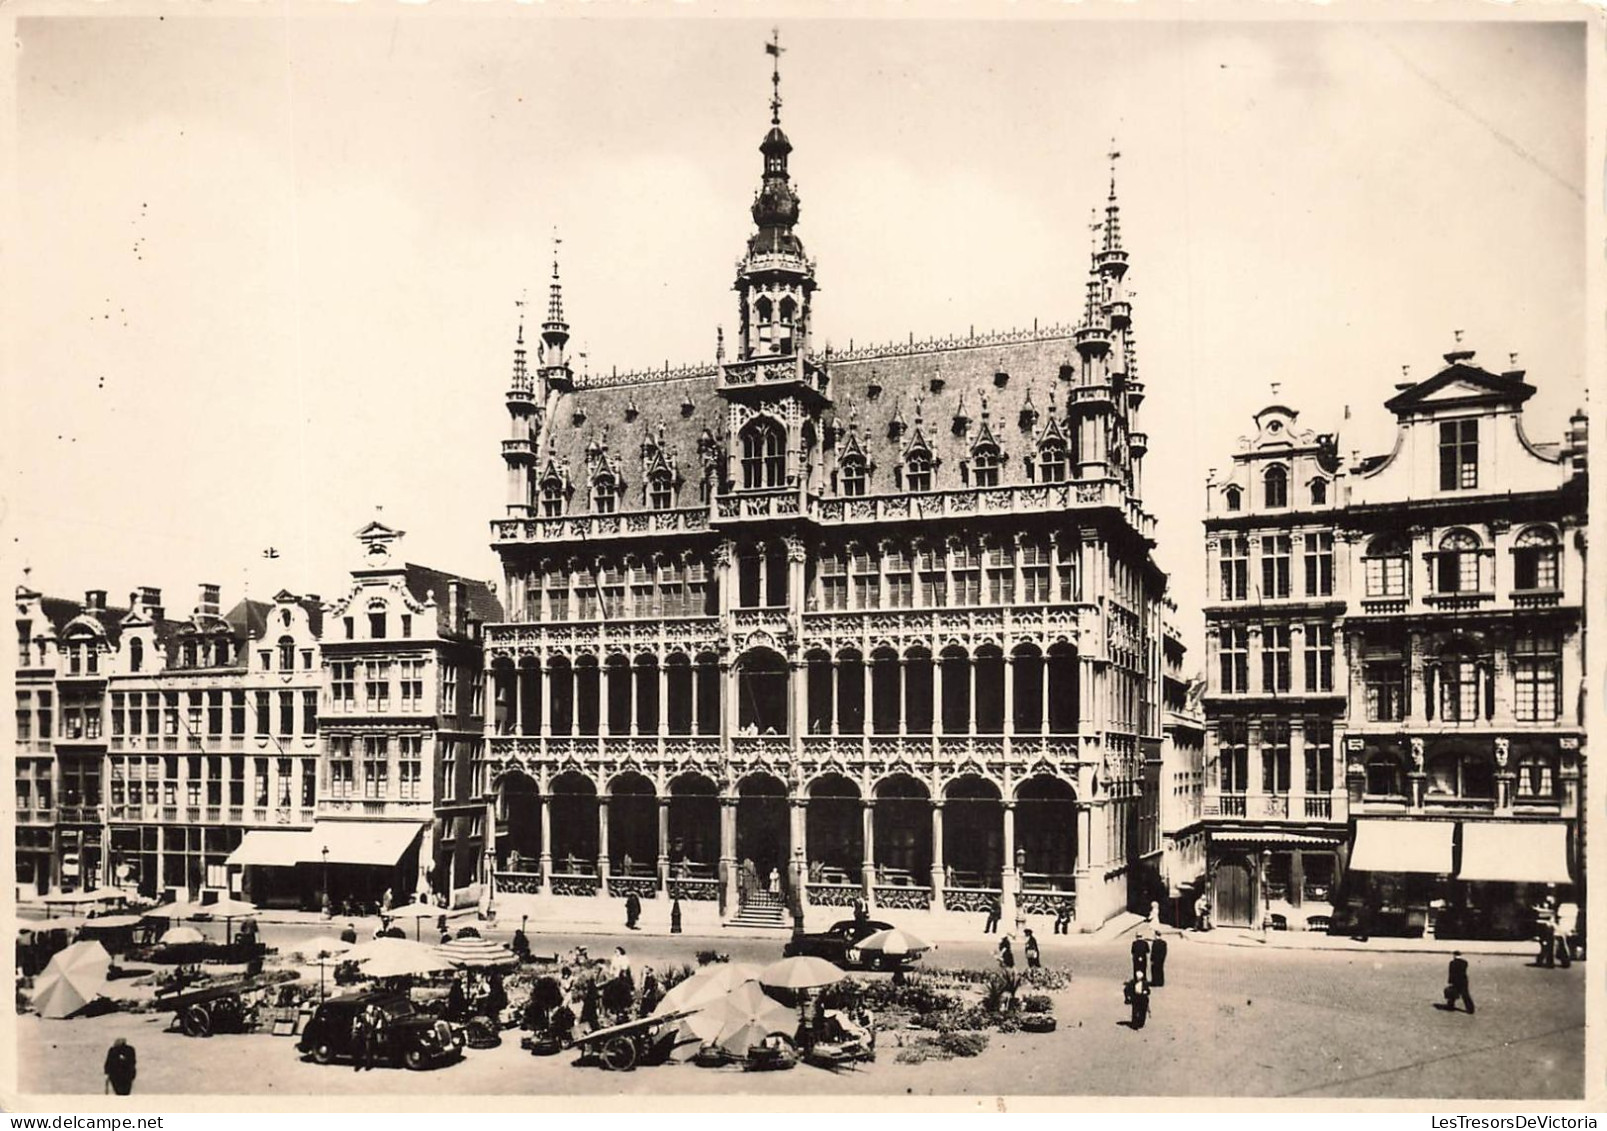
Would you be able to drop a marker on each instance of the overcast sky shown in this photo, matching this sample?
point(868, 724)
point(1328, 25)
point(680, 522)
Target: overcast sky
point(269, 266)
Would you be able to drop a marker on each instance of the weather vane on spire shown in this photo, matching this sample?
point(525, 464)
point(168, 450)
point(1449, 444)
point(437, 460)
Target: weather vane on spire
point(1114, 154)
point(556, 240)
point(774, 50)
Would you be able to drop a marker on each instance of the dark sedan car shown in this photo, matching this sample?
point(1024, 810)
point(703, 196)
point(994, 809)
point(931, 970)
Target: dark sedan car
point(837, 944)
point(407, 1037)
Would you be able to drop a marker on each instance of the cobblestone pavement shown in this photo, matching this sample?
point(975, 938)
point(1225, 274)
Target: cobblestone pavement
point(1231, 1021)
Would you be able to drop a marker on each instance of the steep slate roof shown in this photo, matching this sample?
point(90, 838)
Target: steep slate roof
point(620, 415)
point(249, 618)
point(479, 602)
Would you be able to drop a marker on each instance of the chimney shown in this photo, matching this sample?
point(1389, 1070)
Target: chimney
point(148, 601)
point(95, 600)
point(211, 597)
point(454, 605)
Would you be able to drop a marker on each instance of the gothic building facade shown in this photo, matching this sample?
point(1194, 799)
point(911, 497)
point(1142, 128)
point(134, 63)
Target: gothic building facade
point(1396, 649)
point(877, 624)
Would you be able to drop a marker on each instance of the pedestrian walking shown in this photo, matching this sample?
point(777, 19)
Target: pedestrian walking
point(994, 910)
point(675, 916)
point(633, 910)
point(775, 882)
point(650, 992)
point(1567, 927)
point(1029, 949)
point(1157, 961)
point(1063, 920)
point(1007, 957)
point(1457, 983)
point(1546, 926)
point(1140, 953)
point(521, 942)
point(1136, 993)
point(120, 1066)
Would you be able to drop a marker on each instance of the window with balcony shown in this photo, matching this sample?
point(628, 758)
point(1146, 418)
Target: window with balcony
point(1458, 673)
point(1319, 657)
point(1459, 455)
point(1234, 565)
point(1275, 659)
point(985, 461)
point(552, 496)
point(764, 455)
point(1386, 566)
point(853, 477)
point(1234, 655)
point(1457, 566)
point(1275, 756)
point(918, 470)
point(1319, 563)
point(1233, 755)
point(1052, 462)
point(1276, 556)
point(604, 493)
point(1537, 677)
point(1319, 756)
point(661, 490)
point(1275, 487)
point(1535, 559)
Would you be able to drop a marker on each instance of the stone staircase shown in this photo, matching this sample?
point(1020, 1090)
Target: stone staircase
point(762, 909)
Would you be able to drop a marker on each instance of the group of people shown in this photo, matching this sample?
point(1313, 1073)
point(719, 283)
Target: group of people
point(1149, 973)
point(476, 994)
point(1029, 951)
point(1557, 923)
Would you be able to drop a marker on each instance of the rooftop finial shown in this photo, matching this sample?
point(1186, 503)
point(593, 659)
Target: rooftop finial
point(1276, 385)
point(1114, 154)
point(555, 297)
point(774, 50)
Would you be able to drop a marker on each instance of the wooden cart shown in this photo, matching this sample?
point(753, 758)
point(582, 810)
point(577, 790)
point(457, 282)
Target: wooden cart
point(619, 1048)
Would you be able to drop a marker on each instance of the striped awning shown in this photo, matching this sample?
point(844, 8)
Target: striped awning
point(1296, 840)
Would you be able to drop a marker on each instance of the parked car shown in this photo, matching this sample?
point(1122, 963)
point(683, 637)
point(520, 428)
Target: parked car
point(409, 1037)
point(836, 944)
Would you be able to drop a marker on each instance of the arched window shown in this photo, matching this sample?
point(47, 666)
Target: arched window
point(661, 491)
point(1275, 487)
point(1457, 568)
point(1052, 462)
point(853, 476)
point(1535, 559)
point(764, 456)
point(287, 654)
point(136, 654)
point(1233, 498)
point(1319, 492)
point(985, 463)
point(918, 470)
point(604, 493)
point(552, 496)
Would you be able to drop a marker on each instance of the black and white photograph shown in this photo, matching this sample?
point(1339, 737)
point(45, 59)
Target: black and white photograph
point(849, 553)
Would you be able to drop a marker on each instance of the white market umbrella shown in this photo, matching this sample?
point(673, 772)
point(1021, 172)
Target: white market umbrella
point(477, 952)
point(177, 936)
point(801, 972)
point(73, 978)
point(389, 958)
point(748, 1015)
point(894, 943)
point(709, 984)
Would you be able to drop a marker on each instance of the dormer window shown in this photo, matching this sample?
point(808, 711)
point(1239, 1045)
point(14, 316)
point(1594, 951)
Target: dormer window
point(853, 477)
point(604, 493)
point(1459, 455)
point(985, 465)
point(764, 456)
point(136, 654)
point(376, 621)
point(1052, 462)
point(918, 470)
point(552, 496)
point(1535, 559)
point(661, 491)
point(1275, 487)
point(1319, 492)
point(187, 653)
point(1233, 498)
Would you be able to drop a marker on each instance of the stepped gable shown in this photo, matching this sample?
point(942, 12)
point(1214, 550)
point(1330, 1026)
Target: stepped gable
point(620, 413)
point(966, 368)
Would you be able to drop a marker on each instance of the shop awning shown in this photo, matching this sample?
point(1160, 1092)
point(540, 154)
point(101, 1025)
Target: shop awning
point(378, 843)
point(270, 848)
point(1515, 852)
point(1403, 846)
point(1296, 840)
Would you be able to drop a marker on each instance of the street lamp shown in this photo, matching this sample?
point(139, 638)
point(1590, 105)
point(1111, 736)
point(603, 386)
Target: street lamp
point(1021, 888)
point(329, 902)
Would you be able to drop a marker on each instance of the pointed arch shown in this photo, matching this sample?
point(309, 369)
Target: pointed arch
point(764, 454)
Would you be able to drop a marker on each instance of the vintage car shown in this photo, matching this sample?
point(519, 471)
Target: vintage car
point(836, 944)
point(408, 1036)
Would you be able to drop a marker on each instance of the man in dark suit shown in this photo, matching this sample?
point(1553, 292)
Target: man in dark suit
point(1157, 961)
point(1457, 983)
point(1140, 952)
point(994, 910)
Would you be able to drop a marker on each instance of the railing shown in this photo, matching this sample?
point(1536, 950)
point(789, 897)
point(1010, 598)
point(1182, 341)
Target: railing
point(696, 891)
point(586, 526)
point(902, 897)
point(518, 883)
point(833, 895)
point(1383, 605)
point(763, 371)
point(1224, 805)
point(1047, 902)
point(978, 900)
point(641, 886)
point(575, 884)
point(781, 502)
point(1319, 808)
point(1049, 333)
point(1453, 601)
point(526, 448)
point(1536, 598)
point(78, 814)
